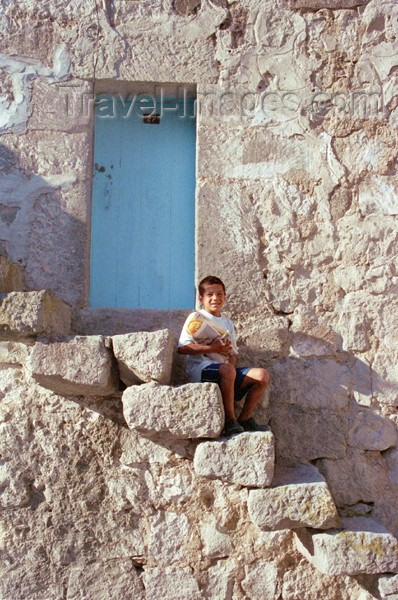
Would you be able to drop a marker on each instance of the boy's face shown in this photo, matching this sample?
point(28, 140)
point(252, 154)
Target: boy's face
point(213, 299)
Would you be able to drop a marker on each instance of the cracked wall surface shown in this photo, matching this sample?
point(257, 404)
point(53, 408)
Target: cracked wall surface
point(296, 210)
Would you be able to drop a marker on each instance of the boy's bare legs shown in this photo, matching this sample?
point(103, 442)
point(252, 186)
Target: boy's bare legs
point(228, 375)
point(259, 378)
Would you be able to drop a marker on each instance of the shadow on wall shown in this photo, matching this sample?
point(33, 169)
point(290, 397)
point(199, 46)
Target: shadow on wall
point(42, 245)
point(329, 407)
point(346, 375)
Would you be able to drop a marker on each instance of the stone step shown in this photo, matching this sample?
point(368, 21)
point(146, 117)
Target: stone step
point(361, 545)
point(299, 497)
point(193, 410)
point(245, 459)
point(144, 356)
point(80, 366)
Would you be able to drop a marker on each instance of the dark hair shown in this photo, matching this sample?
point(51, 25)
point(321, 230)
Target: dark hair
point(209, 280)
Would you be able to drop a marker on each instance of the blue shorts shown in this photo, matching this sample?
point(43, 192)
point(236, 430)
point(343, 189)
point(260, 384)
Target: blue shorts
point(211, 374)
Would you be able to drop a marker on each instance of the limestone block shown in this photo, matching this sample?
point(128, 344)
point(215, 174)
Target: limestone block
point(350, 279)
point(128, 490)
point(29, 580)
point(220, 580)
point(228, 501)
point(362, 272)
point(144, 356)
point(311, 335)
point(358, 477)
point(13, 353)
point(190, 411)
point(311, 383)
point(272, 544)
point(175, 485)
point(299, 497)
point(303, 582)
point(137, 449)
point(306, 434)
point(168, 534)
point(270, 335)
point(388, 587)
point(24, 314)
point(370, 431)
point(171, 583)
point(261, 580)
point(80, 366)
point(216, 544)
point(354, 327)
point(142, 489)
point(361, 546)
point(245, 459)
point(121, 537)
point(105, 580)
point(279, 291)
point(307, 345)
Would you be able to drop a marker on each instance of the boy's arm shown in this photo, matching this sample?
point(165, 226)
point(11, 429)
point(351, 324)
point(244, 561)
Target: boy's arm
point(216, 346)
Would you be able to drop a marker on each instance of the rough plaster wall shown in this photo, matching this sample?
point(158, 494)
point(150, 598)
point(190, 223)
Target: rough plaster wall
point(296, 208)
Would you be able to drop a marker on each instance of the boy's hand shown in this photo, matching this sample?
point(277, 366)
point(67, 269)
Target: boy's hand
point(220, 347)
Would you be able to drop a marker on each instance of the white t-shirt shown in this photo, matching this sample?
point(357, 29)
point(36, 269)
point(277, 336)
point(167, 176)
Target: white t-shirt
point(194, 363)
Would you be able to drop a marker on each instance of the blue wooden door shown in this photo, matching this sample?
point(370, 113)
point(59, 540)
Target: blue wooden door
point(143, 207)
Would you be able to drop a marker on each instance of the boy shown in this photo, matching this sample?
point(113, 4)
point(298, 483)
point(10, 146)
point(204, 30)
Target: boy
point(214, 359)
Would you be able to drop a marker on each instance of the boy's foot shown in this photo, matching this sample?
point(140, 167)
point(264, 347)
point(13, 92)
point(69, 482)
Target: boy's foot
point(232, 426)
point(252, 425)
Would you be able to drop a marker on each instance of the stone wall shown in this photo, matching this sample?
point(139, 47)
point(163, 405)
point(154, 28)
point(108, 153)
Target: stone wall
point(115, 484)
point(297, 207)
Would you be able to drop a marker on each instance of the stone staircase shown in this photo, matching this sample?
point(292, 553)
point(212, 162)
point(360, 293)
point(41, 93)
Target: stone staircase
point(137, 367)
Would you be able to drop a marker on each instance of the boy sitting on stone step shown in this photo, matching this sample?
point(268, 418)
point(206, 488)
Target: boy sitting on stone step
point(208, 342)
